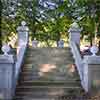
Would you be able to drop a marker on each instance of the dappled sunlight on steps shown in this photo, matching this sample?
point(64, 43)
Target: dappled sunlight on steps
point(48, 74)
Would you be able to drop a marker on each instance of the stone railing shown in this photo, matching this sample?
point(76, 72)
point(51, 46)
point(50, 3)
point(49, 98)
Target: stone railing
point(81, 65)
point(10, 67)
point(78, 59)
point(6, 76)
point(22, 45)
point(88, 66)
point(91, 79)
point(21, 49)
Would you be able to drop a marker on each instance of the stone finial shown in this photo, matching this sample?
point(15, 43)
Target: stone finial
point(5, 49)
point(74, 28)
point(23, 27)
point(61, 43)
point(35, 43)
point(74, 25)
point(23, 23)
point(94, 49)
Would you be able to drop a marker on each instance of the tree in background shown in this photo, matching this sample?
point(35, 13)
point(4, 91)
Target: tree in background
point(48, 20)
point(44, 19)
point(0, 27)
point(86, 13)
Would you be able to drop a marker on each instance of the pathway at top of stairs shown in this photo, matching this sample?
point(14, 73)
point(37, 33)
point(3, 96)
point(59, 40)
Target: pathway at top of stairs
point(49, 74)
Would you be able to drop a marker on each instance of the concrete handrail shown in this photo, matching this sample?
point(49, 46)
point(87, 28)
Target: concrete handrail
point(77, 57)
point(10, 67)
point(83, 72)
point(88, 68)
point(23, 38)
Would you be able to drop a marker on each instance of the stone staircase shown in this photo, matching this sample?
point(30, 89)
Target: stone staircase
point(48, 74)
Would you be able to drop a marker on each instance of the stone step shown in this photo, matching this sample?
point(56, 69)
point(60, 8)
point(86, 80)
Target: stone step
point(55, 83)
point(31, 98)
point(55, 73)
point(70, 83)
point(40, 95)
point(36, 70)
point(48, 51)
point(46, 92)
point(39, 89)
point(49, 76)
point(52, 76)
point(46, 87)
point(32, 64)
point(63, 97)
point(51, 68)
point(36, 78)
point(67, 54)
point(50, 61)
point(40, 57)
point(51, 49)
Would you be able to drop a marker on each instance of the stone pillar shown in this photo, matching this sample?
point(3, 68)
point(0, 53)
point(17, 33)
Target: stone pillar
point(35, 43)
point(74, 35)
point(91, 72)
point(6, 75)
point(23, 39)
point(22, 34)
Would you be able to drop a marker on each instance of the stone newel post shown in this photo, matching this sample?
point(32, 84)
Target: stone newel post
point(91, 72)
point(74, 35)
point(23, 38)
point(6, 74)
point(22, 35)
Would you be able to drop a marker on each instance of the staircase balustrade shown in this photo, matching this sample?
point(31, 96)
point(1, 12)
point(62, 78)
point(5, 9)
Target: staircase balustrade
point(7, 69)
point(78, 61)
point(22, 45)
point(91, 73)
point(88, 66)
point(10, 67)
point(21, 49)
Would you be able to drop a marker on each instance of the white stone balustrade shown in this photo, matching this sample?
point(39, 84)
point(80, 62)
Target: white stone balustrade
point(6, 74)
point(91, 72)
point(9, 67)
point(23, 38)
point(88, 66)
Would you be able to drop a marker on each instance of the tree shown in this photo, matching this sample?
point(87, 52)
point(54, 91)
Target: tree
point(48, 19)
point(44, 19)
point(85, 12)
point(91, 18)
point(0, 27)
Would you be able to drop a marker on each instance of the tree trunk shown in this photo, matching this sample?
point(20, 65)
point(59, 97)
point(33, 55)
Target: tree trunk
point(91, 40)
point(58, 39)
point(99, 45)
point(0, 26)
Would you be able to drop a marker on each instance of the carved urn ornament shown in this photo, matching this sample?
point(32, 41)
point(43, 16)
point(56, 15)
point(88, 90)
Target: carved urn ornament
point(61, 43)
point(35, 43)
point(94, 49)
point(5, 49)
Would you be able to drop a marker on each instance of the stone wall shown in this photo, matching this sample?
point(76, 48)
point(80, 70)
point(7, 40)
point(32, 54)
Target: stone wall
point(92, 65)
point(6, 76)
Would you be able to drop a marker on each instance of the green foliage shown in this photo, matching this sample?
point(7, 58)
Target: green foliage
point(47, 24)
